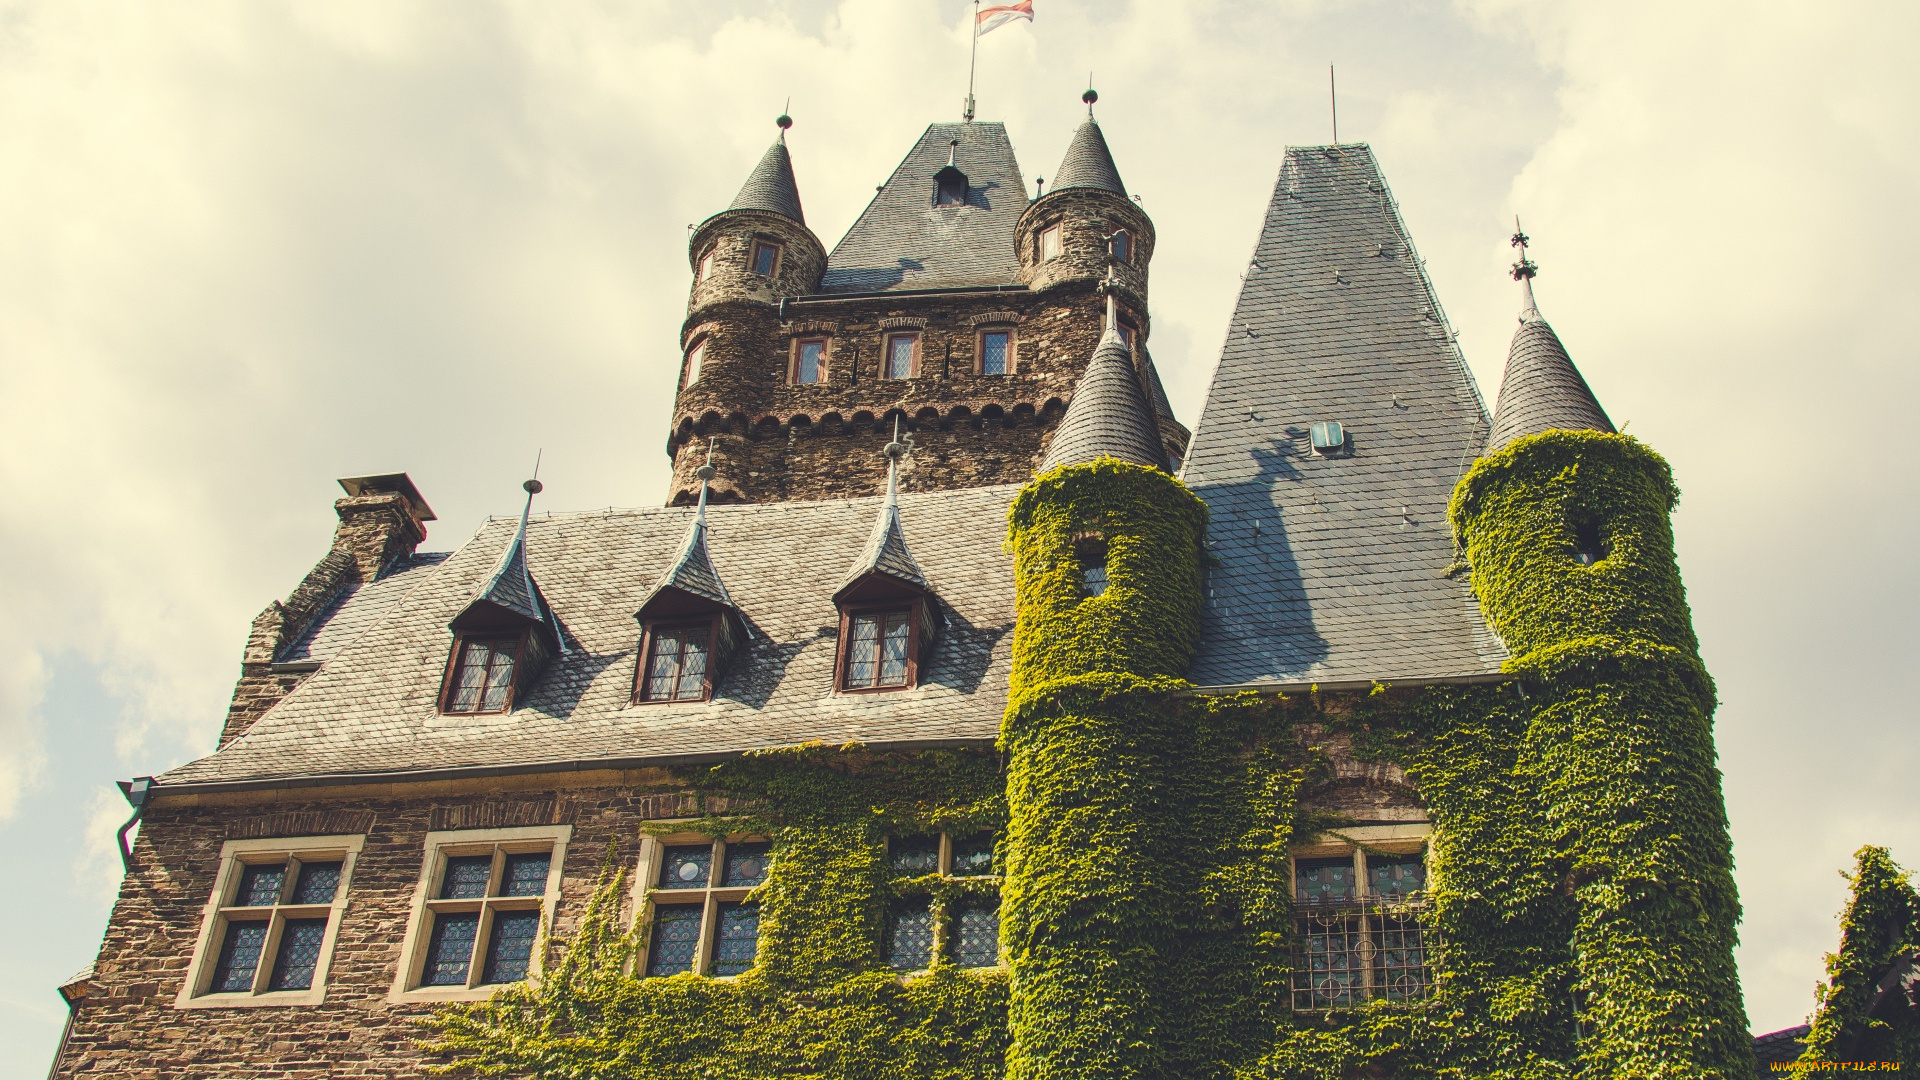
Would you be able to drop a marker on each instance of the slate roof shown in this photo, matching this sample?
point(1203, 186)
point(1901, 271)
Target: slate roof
point(1108, 415)
point(886, 549)
point(370, 709)
point(903, 241)
point(691, 570)
point(1541, 390)
point(511, 586)
point(1088, 163)
point(770, 186)
point(1787, 1044)
point(1329, 569)
point(357, 607)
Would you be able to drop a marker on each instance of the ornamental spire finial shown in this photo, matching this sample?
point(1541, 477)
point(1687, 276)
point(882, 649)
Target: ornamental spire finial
point(1523, 272)
point(706, 474)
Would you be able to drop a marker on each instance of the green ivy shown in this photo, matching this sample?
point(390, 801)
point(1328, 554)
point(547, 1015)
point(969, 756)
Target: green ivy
point(1878, 925)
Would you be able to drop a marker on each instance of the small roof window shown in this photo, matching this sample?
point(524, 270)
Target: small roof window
point(950, 184)
point(1329, 437)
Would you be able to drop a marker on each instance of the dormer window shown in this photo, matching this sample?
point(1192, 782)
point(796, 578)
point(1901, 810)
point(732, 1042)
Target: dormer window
point(482, 679)
point(883, 644)
point(766, 258)
point(676, 667)
point(1121, 245)
point(1050, 243)
point(950, 187)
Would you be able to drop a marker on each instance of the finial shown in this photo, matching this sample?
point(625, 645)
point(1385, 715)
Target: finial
point(894, 450)
point(705, 473)
point(534, 486)
point(1090, 96)
point(1039, 186)
point(783, 121)
point(1526, 267)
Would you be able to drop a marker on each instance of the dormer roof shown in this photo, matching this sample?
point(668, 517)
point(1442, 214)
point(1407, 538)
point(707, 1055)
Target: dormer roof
point(1088, 164)
point(690, 580)
point(1541, 389)
point(886, 555)
point(771, 186)
point(1109, 415)
point(509, 597)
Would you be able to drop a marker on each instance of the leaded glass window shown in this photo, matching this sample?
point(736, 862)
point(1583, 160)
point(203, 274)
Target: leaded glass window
point(299, 955)
point(810, 366)
point(268, 922)
point(1122, 245)
point(677, 664)
point(910, 935)
point(746, 865)
point(766, 258)
point(450, 949)
point(702, 921)
point(913, 856)
point(483, 675)
point(877, 649)
point(1050, 244)
point(486, 912)
point(676, 938)
point(900, 353)
point(973, 855)
point(736, 938)
point(686, 866)
point(976, 932)
point(260, 885)
point(239, 957)
point(1358, 930)
point(1093, 580)
point(510, 948)
point(995, 347)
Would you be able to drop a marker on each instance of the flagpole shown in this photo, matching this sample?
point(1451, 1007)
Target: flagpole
point(972, 56)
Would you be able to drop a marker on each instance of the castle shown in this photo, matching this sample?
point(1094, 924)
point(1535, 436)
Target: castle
point(961, 714)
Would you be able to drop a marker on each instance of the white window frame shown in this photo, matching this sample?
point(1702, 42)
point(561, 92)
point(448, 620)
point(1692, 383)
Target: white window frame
point(235, 856)
point(646, 888)
point(439, 846)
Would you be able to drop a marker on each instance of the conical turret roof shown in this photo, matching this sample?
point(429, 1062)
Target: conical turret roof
point(1541, 389)
point(1109, 414)
point(771, 186)
point(886, 553)
point(1088, 163)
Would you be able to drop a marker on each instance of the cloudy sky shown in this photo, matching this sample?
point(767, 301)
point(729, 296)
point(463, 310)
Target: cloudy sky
point(249, 247)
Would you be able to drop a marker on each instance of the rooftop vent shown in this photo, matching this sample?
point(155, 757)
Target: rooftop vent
point(950, 184)
point(1329, 437)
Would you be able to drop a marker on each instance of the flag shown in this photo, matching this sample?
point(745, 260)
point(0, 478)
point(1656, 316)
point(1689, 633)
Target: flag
point(994, 18)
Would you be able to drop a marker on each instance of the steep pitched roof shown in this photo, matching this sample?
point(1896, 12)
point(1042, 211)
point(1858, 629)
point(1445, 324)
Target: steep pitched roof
point(903, 241)
point(510, 589)
point(770, 186)
point(1088, 163)
point(886, 551)
point(1541, 389)
point(1109, 414)
point(370, 709)
point(1329, 568)
point(691, 570)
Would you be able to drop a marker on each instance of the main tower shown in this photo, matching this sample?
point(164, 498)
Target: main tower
point(955, 304)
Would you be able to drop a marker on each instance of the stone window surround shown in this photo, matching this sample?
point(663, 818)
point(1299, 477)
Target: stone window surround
point(1041, 244)
point(436, 849)
point(896, 333)
point(449, 680)
point(1403, 839)
point(234, 856)
point(826, 359)
point(980, 332)
point(646, 886)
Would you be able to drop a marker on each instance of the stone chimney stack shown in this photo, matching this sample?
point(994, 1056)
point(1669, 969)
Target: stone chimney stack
point(382, 520)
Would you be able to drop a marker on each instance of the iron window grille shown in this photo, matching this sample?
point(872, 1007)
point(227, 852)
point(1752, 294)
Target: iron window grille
point(268, 931)
point(955, 921)
point(703, 918)
point(1361, 931)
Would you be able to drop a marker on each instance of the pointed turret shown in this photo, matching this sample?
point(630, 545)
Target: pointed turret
point(509, 598)
point(885, 554)
point(1109, 415)
point(771, 186)
point(1541, 390)
point(690, 580)
point(1088, 164)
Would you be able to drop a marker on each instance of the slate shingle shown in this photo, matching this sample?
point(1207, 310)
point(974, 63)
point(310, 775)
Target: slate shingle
point(1088, 163)
point(1541, 390)
point(1109, 414)
point(770, 186)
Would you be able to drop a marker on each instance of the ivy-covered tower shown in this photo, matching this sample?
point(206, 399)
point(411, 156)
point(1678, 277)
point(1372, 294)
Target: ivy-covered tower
point(1107, 550)
point(1565, 524)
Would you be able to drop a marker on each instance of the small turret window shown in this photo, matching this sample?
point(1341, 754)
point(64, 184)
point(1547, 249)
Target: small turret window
point(696, 357)
point(1050, 244)
point(766, 258)
point(1090, 553)
point(810, 361)
point(705, 269)
point(1124, 326)
point(996, 352)
point(1588, 545)
point(1122, 245)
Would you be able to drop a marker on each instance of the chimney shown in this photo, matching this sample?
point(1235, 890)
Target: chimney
point(383, 518)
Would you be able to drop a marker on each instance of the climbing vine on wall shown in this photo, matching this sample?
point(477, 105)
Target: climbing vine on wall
point(1878, 926)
